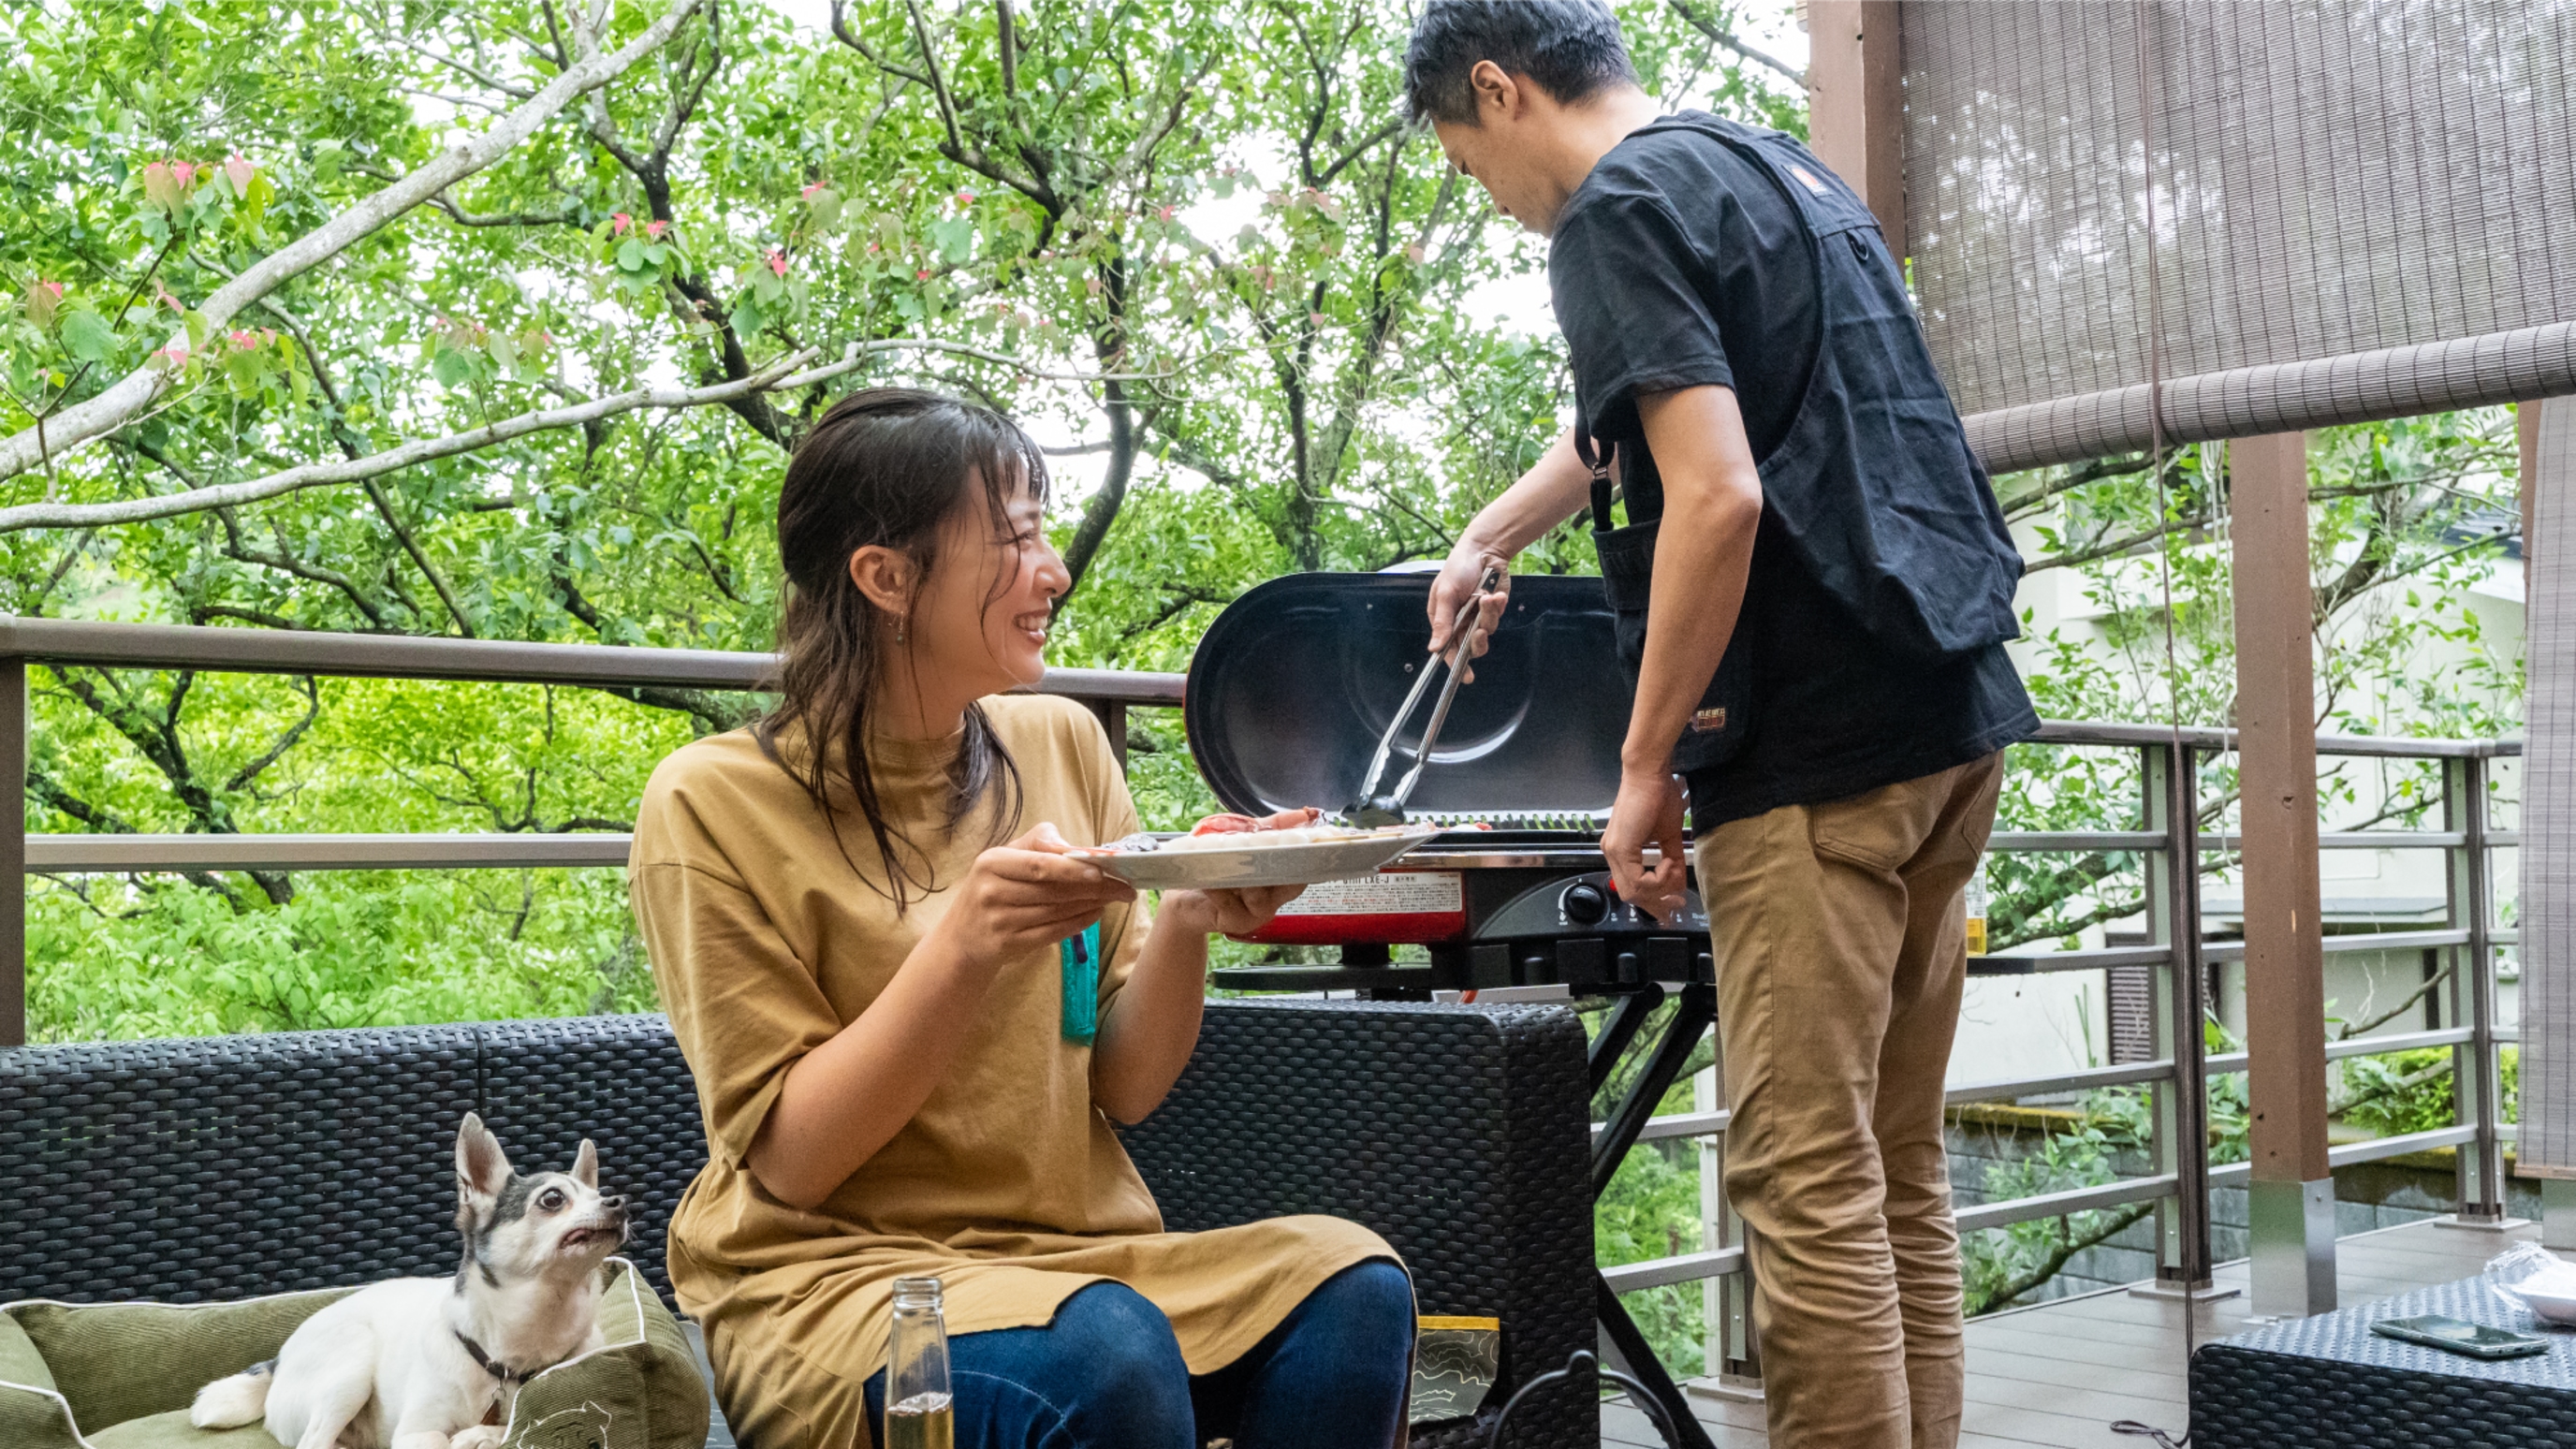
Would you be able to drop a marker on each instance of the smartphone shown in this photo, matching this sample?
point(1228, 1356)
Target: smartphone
point(2476, 1340)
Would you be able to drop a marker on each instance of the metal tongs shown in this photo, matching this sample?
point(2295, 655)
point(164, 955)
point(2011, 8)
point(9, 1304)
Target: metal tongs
point(1371, 809)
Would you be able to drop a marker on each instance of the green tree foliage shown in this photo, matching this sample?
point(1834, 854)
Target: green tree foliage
point(550, 400)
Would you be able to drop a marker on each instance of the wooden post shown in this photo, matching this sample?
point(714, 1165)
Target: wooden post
point(2526, 431)
point(2546, 1146)
point(2292, 1194)
point(1113, 718)
point(13, 852)
point(1856, 103)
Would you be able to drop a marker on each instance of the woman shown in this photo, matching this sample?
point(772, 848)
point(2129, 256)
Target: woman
point(857, 910)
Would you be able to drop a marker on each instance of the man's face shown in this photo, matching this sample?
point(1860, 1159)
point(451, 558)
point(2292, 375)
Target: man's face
point(1509, 145)
point(1485, 153)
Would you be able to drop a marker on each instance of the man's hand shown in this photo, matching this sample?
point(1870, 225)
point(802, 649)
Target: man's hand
point(1467, 566)
point(1647, 812)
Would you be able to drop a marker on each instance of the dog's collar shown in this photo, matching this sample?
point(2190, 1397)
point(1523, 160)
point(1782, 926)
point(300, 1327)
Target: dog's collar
point(495, 1367)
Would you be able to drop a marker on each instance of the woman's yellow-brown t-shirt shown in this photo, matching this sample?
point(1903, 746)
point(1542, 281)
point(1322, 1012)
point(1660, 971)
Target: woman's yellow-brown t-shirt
point(767, 937)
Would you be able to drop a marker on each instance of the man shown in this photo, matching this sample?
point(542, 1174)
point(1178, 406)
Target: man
point(1819, 657)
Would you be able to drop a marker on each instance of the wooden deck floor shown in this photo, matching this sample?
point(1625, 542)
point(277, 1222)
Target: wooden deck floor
point(2058, 1373)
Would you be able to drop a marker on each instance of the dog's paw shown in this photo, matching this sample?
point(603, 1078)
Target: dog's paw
point(481, 1436)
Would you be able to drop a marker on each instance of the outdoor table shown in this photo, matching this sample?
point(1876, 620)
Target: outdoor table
point(2329, 1380)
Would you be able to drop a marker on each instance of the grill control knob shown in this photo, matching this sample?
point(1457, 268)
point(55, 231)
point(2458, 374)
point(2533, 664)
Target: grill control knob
point(1584, 904)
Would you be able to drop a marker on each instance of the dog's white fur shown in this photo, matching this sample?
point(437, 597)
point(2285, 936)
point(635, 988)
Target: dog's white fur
point(389, 1368)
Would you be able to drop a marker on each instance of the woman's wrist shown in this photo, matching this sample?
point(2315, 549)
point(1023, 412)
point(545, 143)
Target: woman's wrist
point(942, 952)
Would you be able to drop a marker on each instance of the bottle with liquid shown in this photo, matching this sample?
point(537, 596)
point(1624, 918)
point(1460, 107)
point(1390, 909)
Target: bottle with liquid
point(919, 1413)
point(1977, 911)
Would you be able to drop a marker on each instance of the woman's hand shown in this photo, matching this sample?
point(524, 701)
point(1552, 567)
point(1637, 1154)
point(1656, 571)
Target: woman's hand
point(1237, 912)
point(1226, 912)
point(1026, 896)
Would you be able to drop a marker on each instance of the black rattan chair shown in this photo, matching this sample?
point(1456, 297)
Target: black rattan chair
point(227, 1167)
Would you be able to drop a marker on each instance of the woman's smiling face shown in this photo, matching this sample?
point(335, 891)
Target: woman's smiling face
point(981, 618)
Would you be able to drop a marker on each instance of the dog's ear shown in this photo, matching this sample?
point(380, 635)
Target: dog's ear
point(482, 1169)
point(585, 1166)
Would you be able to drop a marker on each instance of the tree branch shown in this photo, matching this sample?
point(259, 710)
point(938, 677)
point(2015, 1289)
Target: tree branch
point(285, 740)
point(420, 560)
point(137, 390)
point(1731, 41)
point(2068, 1244)
point(312, 475)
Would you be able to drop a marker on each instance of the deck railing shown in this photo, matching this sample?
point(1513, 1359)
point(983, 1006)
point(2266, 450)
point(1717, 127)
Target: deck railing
point(2177, 1073)
point(261, 651)
point(2169, 841)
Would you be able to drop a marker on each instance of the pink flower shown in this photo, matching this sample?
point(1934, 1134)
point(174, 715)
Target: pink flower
point(242, 338)
point(238, 171)
point(618, 223)
point(185, 172)
point(922, 276)
point(166, 300)
point(965, 198)
point(654, 229)
point(173, 357)
point(1415, 254)
point(808, 192)
point(1165, 214)
point(1318, 318)
point(777, 260)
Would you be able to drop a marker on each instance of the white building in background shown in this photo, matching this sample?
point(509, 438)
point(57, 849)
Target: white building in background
point(2035, 1025)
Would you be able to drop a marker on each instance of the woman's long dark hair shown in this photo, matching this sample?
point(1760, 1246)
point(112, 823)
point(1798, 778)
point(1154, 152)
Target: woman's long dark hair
point(887, 466)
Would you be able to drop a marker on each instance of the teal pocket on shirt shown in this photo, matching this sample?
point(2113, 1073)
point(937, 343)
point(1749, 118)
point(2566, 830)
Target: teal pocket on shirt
point(1081, 1016)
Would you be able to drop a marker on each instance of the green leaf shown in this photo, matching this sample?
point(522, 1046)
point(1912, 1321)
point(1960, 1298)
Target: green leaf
point(87, 336)
point(630, 255)
point(746, 319)
point(955, 238)
point(452, 369)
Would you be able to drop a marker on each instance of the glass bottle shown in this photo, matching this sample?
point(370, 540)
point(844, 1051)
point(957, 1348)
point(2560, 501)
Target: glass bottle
point(919, 1413)
point(1977, 911)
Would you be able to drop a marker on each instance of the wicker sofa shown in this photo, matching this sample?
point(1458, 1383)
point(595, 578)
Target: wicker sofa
point(236, 1166)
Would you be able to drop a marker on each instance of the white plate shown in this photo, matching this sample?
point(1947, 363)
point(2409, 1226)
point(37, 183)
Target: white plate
point(1261, 865)
point(2557, 1308)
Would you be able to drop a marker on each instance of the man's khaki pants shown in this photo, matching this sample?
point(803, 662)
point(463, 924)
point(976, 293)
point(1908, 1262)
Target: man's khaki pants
point(1841, 950)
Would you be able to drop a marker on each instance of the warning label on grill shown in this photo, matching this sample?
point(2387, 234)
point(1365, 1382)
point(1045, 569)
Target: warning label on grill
point(1391, 893)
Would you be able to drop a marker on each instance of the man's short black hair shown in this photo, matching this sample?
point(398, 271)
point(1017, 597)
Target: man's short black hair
point(1570, 48)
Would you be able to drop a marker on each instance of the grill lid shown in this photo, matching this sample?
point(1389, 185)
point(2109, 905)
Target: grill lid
point(1295, 681)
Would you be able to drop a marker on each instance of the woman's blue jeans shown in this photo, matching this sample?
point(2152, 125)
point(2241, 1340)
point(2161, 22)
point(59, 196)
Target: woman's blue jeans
point(1107, 1374)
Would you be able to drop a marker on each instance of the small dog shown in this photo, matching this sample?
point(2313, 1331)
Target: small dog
point(436, 1363)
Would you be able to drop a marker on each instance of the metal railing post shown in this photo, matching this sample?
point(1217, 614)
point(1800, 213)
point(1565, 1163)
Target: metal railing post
point(2476, 1080)
point(13, 852)
point(2169, 781)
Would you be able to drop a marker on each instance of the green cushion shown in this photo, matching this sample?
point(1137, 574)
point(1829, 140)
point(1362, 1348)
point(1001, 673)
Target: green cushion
point(128, 1371)
point(31, 1412)
point(641, 1392)
point(32, 1418)
point(20, 1363)
point(173, 1431)
point(120, 1361)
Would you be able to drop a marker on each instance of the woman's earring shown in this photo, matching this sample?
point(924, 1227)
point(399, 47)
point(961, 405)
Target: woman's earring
point(898, 631)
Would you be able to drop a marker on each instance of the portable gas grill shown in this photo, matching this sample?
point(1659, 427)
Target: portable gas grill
point(1292, 688)
point(1290, 694)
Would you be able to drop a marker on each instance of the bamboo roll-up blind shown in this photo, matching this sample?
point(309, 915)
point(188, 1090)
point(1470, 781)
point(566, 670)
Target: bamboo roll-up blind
point(2363, 208)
